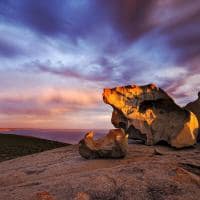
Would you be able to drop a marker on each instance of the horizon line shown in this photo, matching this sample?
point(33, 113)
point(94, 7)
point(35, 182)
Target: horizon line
point(55, 128)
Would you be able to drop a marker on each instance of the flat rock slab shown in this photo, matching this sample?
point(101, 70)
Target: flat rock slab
point(147, 172)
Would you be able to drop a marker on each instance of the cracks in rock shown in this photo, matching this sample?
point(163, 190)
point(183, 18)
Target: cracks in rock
point(192, 168)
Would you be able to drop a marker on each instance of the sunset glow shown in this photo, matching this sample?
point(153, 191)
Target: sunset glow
point(57, 56)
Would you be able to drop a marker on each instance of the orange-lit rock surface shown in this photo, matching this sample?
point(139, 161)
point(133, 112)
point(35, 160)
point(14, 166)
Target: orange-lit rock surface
point(42, 196)
point(149, 114)
point(146, 173)
point(195, 108)
point(113, 145)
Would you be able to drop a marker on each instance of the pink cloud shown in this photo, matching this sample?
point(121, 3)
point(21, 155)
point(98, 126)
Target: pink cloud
point(49, 103)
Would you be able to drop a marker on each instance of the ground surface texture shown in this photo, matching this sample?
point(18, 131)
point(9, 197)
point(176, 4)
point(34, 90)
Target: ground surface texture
point(155, 173)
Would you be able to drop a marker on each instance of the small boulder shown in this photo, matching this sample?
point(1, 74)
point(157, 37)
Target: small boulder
point(113, 145)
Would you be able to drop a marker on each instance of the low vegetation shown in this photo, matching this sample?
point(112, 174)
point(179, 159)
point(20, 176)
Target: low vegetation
point(13, 146)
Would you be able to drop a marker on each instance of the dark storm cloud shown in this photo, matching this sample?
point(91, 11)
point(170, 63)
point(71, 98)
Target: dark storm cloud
point(184, 31)
point(129, 16)
point(41, 16)
point(54, 18)
point(78, 18)
point(44, 16)
point(131, 19)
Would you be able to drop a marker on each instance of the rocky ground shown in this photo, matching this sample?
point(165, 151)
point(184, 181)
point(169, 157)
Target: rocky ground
point(155, 173)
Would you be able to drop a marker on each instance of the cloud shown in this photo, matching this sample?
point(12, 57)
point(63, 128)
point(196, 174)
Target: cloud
point(185, 87)
point(9, 49)
point(127, 20)
point(54, 108)
point(99, 70)
point(183, 30)
point(51, 102)
point(32, 15)
point(74, 45)
point(53, 18)
point(129, 17)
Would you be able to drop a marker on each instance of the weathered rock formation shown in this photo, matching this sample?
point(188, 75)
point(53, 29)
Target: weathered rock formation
point(113, 145)
point(195, 108)
point(149, 114)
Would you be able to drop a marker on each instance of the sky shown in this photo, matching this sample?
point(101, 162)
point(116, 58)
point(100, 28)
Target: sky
point(56, 56)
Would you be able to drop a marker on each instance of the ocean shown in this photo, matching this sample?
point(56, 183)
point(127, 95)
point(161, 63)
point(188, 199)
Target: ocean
point(71, 136)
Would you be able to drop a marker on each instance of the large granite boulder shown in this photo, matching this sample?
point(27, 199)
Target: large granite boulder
point(150, 114)
point(195, 108)
point(113, 145)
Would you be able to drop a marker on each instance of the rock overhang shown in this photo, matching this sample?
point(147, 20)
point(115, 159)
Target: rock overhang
point(148, 107)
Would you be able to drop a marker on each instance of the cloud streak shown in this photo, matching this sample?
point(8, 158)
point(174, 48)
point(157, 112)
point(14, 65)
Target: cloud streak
point(86, 45)
point(50, 103)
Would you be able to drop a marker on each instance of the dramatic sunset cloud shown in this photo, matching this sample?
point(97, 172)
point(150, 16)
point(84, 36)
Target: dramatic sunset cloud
point(56, 56)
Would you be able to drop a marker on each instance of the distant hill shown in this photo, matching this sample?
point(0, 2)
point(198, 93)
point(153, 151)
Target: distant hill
point(13, 146)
